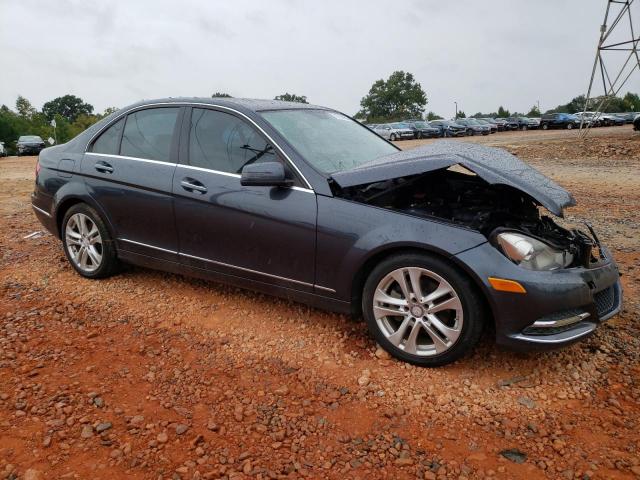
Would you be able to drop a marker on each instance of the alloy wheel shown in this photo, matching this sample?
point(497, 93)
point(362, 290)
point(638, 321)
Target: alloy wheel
point(418, 311)
point(84, 242)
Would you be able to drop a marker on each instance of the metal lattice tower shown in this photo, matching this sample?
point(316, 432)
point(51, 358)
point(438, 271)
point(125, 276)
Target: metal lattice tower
point(627, 40)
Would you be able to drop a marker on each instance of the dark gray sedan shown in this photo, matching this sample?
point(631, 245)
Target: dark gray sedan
point(430, 245)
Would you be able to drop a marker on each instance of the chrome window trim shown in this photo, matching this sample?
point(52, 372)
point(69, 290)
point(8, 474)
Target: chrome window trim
point(222, 264)
point(139, 159)
point(235, 175)
point(210, 105)
point(41, 210)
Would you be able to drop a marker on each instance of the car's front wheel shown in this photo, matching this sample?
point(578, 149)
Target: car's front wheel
point(420, 309)
point(87, 243)
point(569, 126)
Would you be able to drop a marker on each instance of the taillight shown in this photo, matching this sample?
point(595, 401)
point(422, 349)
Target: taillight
point(38, 167)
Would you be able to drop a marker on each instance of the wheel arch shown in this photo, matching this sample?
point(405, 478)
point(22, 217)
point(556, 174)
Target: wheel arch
point(65, 204)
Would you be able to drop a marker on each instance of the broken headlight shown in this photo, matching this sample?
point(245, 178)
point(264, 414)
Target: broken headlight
point(531, 253)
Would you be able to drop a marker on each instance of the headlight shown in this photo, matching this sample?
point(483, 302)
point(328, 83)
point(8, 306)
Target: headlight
point(532, 254)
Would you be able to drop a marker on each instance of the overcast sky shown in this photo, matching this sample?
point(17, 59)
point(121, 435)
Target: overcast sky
point(481, 54)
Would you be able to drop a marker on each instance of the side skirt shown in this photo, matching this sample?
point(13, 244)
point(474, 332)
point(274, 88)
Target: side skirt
point(307, 298)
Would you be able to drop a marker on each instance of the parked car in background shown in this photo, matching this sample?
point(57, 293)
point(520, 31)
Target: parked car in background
point(559, 120)
point(628, 116)
point(492, 126)
point(610, 119)
point(474, 127)
point(589, 118)
point(536, 121)
point(302, 202)
point(499, 122)
point(393, 131)
point(29, 145)
point(525, 123)
point(511, 123)
point(3, 151)
point(448, 128)
point(422, 129)
point(636, 123)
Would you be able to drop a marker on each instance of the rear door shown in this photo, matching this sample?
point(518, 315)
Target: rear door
point(129, 173)
point(265, 234)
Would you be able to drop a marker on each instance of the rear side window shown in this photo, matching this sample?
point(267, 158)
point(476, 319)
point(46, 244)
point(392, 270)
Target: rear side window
point(109, 141)
point(220, 141)
point(148, 133)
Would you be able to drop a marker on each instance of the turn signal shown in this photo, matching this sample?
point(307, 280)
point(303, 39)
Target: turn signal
point(503, 285)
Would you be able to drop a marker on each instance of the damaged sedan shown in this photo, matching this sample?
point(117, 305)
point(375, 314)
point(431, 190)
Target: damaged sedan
point(431, 245)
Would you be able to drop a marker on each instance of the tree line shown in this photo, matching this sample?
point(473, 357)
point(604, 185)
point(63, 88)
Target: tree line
point(399, 97)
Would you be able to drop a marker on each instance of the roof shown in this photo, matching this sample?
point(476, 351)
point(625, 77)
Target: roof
point(252, 104)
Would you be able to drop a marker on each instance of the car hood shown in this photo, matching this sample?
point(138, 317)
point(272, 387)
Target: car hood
point(494, 165)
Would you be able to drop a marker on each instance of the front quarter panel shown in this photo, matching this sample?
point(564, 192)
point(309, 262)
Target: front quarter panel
point(350, 233)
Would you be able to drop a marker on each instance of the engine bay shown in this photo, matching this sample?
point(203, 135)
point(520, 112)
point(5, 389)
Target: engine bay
point(458, 196)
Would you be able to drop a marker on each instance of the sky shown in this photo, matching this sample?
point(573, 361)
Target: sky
point(481, 54)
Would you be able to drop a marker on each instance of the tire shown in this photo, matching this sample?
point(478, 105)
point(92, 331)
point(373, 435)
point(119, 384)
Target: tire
point(524, 127)
point(462, 323)
point(84, 230)
point(569, 126)
point(545, 126)
point(392, 137)
point(419, 135)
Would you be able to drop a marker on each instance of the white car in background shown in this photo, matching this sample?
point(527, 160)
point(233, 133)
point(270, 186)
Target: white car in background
point(3, 151)
point(393, 131)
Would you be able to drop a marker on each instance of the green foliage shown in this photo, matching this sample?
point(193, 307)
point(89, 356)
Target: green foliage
point(461, 114)
point(502, 113)
point(221, 95)
point(433, 116)
point(68, 107)
point(291, 97)
point(27, 120)
point(632, 102)
point(534, 112)
point(397, 98)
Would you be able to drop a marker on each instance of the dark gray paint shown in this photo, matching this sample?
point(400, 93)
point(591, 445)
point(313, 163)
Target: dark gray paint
point(495, 165)
point(317, 244)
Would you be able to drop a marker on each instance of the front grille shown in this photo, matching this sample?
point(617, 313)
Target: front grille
point(606, 300)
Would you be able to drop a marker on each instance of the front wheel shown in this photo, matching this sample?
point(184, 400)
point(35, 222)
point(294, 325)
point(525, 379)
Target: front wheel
point(392, 137)
point(524, 127)
point(87, 243)
point(421, 310)
point(569, 126)
point(545, 126)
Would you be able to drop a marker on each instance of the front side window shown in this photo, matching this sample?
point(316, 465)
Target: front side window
point(329, 141)
point(109, 141)
point(220, 141)
point(148, 133)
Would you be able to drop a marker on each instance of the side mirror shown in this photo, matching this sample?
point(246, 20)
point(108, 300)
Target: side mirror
point(265, 174)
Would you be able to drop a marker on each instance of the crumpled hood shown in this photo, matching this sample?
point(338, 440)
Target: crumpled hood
point(494, 165)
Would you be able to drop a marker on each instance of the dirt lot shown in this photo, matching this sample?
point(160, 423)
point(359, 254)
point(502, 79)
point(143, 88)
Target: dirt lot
point(151, 375)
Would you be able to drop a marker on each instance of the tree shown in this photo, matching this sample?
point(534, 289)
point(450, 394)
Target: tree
point(291, 97)
point(108, 111)
point(632, 102)
point(461, 114)
point(534, 112)
point(24, 107)
point(68, 107)
point(502, 113)
point(221, 95)
point(433, 116)
point(400, 96)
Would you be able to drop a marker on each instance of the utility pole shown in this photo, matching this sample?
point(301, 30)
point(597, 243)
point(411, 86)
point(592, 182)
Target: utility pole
point(456, 103)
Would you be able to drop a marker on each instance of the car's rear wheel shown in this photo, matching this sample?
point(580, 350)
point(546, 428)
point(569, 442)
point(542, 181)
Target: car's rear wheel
point(392, 137)
point(421, 310)
point(569, 126)
point(545, 126)
point(524, 127)
point(87, 243)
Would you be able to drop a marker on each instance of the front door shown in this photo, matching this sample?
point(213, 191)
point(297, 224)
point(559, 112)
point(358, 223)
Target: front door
point(265, 234)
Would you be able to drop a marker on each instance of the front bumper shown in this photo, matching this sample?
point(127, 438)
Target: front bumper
point(559, 307)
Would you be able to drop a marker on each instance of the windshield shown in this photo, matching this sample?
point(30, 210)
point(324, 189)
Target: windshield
point(421, 125)
point(29, 138)
point(329, 141)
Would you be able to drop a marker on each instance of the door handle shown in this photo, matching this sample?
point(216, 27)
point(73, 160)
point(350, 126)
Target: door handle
point(104, 167)
point(191, 185)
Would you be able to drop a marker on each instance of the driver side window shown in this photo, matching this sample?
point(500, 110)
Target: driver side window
point(220, 141)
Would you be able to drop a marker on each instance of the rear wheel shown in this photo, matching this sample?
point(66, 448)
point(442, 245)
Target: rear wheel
point(87, 243)
point(569, 126)
point(524, 127)
point(421, 310)
point(392, 137)
point(545, 126)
